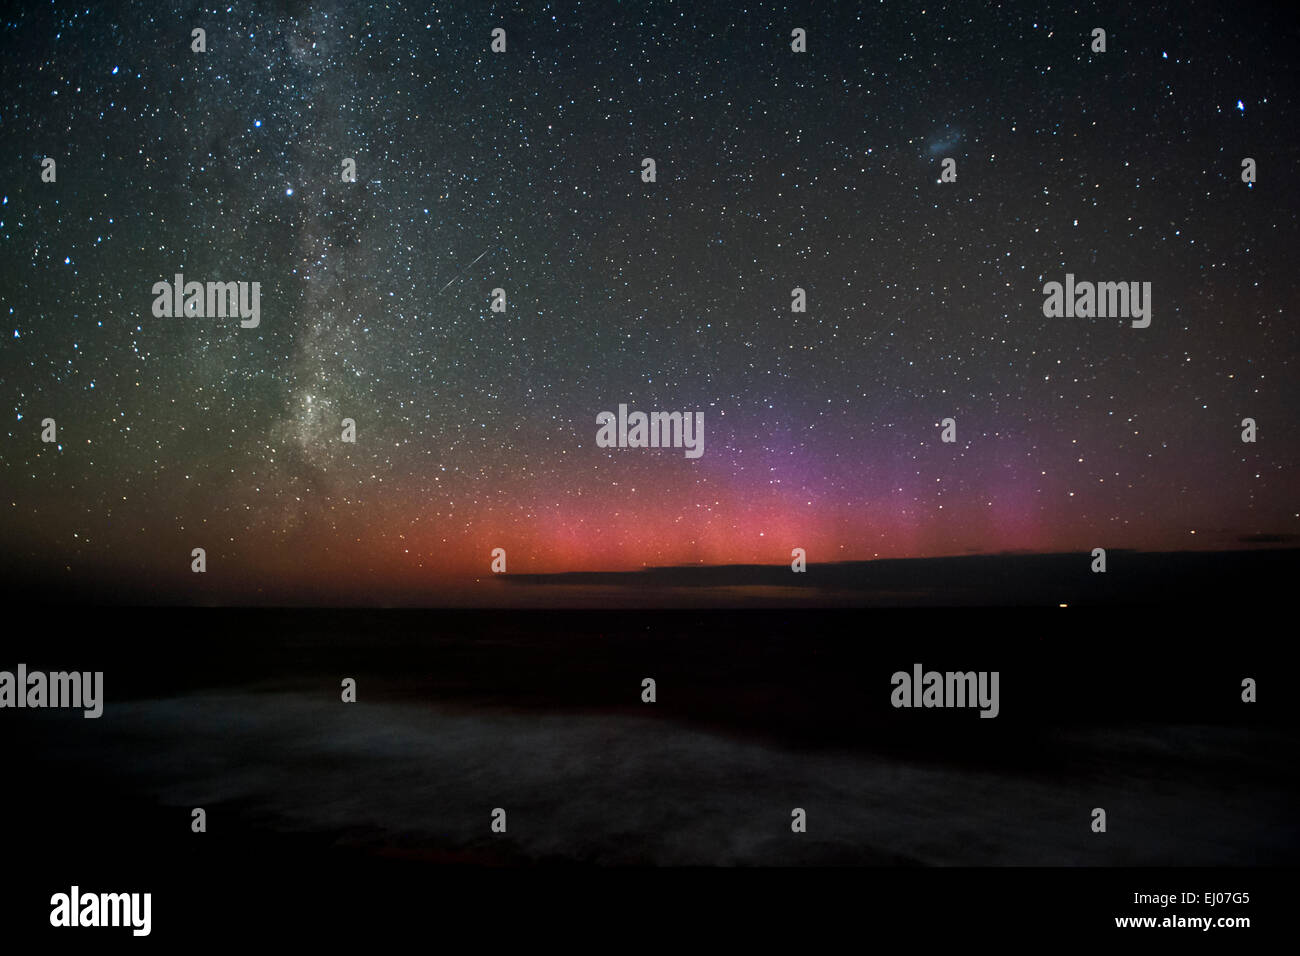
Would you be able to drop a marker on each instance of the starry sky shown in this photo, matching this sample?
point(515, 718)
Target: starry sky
point(522, 171)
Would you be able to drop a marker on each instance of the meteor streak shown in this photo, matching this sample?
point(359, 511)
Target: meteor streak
point(466, 269)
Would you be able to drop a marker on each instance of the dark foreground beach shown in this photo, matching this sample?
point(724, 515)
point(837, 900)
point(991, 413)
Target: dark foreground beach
point(239, 712)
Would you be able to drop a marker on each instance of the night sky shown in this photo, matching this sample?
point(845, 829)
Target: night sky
point(522, 170)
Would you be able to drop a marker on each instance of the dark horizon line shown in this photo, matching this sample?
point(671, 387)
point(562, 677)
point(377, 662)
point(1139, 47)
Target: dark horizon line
point(784, 567)
point(1008, 579)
